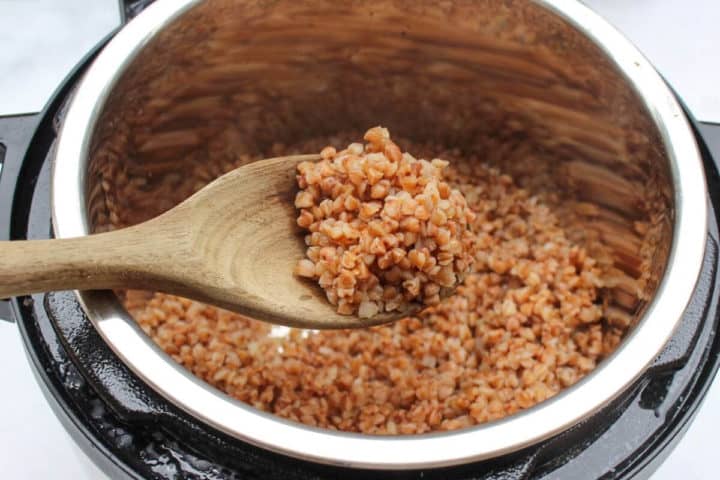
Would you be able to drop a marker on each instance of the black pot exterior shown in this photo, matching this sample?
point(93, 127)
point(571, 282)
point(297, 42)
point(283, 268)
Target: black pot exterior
point(131, 432)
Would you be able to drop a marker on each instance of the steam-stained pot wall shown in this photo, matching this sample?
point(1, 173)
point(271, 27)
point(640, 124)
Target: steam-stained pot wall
point(507, 79)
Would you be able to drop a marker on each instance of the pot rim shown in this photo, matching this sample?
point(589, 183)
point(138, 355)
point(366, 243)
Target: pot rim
point(488, 440)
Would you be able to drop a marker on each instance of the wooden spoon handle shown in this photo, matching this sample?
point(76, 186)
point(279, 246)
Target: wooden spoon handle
point(106, 260)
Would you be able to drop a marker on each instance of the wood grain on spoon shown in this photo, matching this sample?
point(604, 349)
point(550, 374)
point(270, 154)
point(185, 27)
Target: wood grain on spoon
point(233, 244)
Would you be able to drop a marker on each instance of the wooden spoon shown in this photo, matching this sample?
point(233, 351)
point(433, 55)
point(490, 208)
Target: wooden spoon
point(233, 244)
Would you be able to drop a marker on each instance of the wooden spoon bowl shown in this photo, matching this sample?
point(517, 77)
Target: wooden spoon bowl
point(233, 244)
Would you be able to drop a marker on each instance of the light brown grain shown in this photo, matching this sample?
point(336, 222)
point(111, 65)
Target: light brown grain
point(527, 322)
point(384, 229)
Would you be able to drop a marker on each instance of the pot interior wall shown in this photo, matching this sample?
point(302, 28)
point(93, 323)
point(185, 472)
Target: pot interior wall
point(506, 79)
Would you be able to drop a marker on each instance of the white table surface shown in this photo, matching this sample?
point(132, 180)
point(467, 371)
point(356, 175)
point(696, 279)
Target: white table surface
point(681, 37)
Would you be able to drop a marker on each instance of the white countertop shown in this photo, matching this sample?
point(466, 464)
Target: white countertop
point(681, 37)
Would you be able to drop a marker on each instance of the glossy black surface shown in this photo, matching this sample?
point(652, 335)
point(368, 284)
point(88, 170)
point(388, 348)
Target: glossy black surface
point(15, 136)
point(113, 409)
point(132, 432)
point(132, 7)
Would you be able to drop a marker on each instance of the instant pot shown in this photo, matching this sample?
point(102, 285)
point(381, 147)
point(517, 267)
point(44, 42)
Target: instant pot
point(548, 79)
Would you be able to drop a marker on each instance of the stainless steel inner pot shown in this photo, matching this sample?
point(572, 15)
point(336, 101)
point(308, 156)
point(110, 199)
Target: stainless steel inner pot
point(545, 89)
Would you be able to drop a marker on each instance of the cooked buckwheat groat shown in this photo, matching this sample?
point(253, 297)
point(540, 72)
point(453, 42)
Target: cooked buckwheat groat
point(385, 229)
point(529, 320)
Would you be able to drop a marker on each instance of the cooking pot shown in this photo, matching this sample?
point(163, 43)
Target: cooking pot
point(546, 90)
